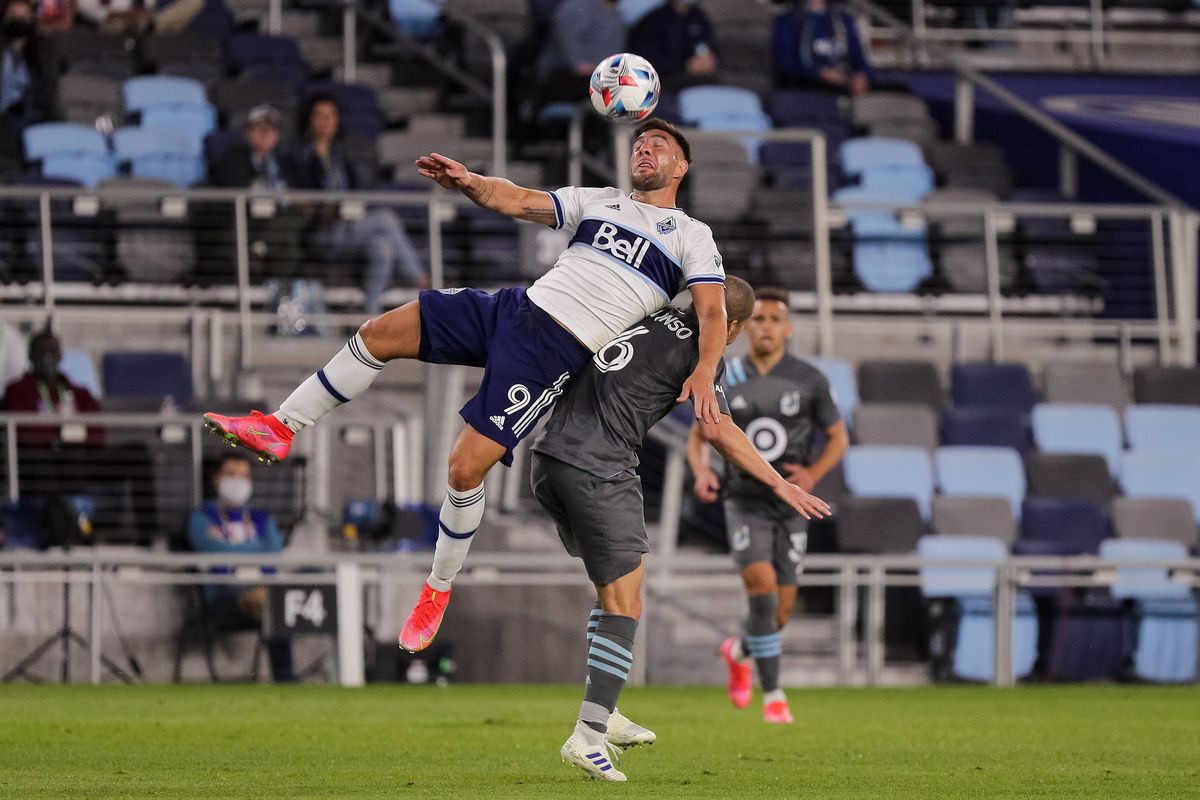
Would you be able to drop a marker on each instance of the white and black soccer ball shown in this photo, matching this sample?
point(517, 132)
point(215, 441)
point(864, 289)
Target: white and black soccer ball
point(624, 88)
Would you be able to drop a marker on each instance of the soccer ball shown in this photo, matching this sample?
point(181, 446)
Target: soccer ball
point(624, 88)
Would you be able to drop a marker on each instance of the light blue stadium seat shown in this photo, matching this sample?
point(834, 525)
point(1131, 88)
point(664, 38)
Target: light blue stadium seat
point(972, 589)
point(80, 369)
point(148, 91)
point(634, 10)
point(159, 153)
point(1162, 474)
point(891, 471)
point(982, 472)
point(196, 122)
point(1165, 611)
point(888, 256)
point(1078, 428)
point(697, 102)
point(70, 151)
point(1163, 427)
point(915, 179)
point(416, 18)
point(841, 379)
point(869, 152)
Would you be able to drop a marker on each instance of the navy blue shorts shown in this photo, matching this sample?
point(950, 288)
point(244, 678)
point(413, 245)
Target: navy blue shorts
point(528, 359)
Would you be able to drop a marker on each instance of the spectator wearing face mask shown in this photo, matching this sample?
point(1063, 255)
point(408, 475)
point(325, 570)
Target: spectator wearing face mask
point(227, 524)
point(817, 47)
point(45, 390)
point(677, 38)
point(28, 79)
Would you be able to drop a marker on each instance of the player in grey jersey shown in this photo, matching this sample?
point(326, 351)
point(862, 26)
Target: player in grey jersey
point(584, 475)
point(781, 402)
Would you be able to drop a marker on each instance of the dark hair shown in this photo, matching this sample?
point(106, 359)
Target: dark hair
point(771, 293)
point(45, 334)
point(231, 457)
point(739, 299)
point(307, 109)
point(670, 130)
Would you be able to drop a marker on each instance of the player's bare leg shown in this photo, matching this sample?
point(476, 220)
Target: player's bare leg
point(472, 456)
point(787, 604)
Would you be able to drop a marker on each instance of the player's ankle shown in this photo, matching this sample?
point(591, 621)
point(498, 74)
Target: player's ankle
point(774, 696)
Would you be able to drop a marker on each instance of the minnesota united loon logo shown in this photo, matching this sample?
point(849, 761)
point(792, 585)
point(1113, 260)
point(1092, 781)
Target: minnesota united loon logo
point(666, 226)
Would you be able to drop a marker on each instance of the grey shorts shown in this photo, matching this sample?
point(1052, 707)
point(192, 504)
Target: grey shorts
point(599, 520)
point(755, 536)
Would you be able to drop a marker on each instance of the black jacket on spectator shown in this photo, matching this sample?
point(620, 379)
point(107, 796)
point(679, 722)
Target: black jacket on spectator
point(39, 103)
point(667, 39)
point(315, 175)
point(236, 168)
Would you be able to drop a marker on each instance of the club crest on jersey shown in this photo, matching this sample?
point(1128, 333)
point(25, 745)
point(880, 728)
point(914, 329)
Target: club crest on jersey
point(665, 226)
point(622, 244)
point(789, 404)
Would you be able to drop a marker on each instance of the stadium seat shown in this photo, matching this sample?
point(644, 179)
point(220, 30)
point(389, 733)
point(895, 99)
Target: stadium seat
point(1167, 385)
point(150, 247)
point(1166, 474)
point(989, 427)
point(964, 515)
point(89, 52)
point(961, 608)
point(900, 382)
point(698, 102)
point(921, 132)
point(840, 375)
point(252, 49)
point(873, 152)
point(802, 108)
point(981, 472)
point(1164, 610)
point(908, 180)
point(236, 96)
point(1084, 477)
point(149, 91)
point(148, 374)
point(292, 74)
point(217, 143)
point(159, 154)
point(80, 369)
point(1078, 428)
point(958, 242)
point(867, 109)
point(978, 166)
point(1073, 526)
point(194, 122)
point(1154, 518)
point(71, 152)
point(981, 385)
point(190, 54)
point(890, 471)
point(23, 523)
point(86, 98)
point(79, 247)
point(1084, 382)
point(889, 255)
point(633, 10)
point(419, 19)
point(1163, 427)
point(878, 525)
point(905, 424)
point(357, 104)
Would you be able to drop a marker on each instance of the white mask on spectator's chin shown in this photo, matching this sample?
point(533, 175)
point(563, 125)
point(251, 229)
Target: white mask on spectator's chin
point(234, 490)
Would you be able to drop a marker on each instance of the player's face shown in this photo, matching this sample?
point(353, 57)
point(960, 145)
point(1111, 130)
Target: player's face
point(770, 328)
point(656, 161)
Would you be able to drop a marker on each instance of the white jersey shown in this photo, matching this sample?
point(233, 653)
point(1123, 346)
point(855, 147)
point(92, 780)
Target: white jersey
point(626, 260)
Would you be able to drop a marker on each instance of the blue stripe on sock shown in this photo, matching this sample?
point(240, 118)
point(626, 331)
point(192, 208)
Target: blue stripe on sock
point(454, 535)
point(622, 674)
point(611, 645)
point(596, 652)
point(766, 646)
point(329, 387)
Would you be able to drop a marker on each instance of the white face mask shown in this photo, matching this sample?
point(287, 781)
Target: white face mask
point(234, 490)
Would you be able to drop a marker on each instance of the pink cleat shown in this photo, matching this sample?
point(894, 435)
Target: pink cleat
point(778, 713)
point(424, 620)
point(740, 683)
point(261, 434)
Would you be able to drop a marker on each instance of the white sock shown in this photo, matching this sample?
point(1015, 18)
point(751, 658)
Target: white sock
point(773, 696)
point(347, 375)
point(461, 513)
point(738, 651)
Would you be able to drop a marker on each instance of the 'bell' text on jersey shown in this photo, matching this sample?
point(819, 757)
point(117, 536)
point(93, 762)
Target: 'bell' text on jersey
point(626, 259)
point(779, 412)
point(631, 384)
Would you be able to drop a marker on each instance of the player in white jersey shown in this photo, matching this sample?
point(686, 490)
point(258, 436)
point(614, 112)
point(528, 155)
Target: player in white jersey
point(629, 255)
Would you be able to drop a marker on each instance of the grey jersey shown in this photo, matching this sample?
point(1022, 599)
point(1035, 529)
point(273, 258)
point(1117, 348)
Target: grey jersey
point(779, 411)
point(631, 384)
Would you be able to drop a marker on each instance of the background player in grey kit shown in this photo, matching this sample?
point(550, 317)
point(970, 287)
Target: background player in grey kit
point(781, 402)
point(585, 476)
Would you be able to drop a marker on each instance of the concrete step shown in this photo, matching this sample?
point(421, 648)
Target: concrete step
point(300, 24)
point(402, 102)
point(377, 76)
point(322, 52)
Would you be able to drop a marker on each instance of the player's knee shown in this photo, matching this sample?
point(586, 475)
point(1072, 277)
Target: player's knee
point(464, 474)
point(393, 334)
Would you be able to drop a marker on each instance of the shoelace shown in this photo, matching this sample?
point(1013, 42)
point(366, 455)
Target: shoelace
point(424, 612)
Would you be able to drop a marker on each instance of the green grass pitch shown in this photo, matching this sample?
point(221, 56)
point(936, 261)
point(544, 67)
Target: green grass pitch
point(488, 742)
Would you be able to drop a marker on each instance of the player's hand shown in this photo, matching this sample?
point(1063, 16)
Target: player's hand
point(707, 487)
point(806, 505)
point(700, 388)
point(445, 172)
point(799, 475)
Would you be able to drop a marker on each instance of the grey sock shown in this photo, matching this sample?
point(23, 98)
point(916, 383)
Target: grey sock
point(610, 657)
point(762, 639)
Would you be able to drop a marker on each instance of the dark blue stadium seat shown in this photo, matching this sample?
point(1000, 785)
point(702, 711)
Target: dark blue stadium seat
point(148, 374)
point(251, 49)
point(217, 143)
point(24, 522)
point(994, 427)
point(78, 245)
point(1077, 526)
point(982, 385)
point(802, 108)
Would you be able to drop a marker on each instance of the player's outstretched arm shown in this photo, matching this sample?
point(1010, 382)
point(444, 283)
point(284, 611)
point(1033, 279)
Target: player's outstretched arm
point(707, 485)
point(494, 194)
point(732, 443)
point(709, 302)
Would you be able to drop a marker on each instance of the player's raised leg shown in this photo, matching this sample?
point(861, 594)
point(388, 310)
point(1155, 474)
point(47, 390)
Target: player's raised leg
point(352, 370)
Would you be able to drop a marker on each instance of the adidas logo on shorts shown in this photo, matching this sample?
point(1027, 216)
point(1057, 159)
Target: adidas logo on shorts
point(498, 420)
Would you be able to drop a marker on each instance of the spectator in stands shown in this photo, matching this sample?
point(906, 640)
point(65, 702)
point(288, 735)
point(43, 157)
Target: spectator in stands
point(45, 390)
point(677, 38)
point(28, 79)
point(55, 16)
point(227, 524)
point(128, 17)
point(260, 164)
point(379, 233)
point(14, 354)
point(817, 47)
point(582, 32)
